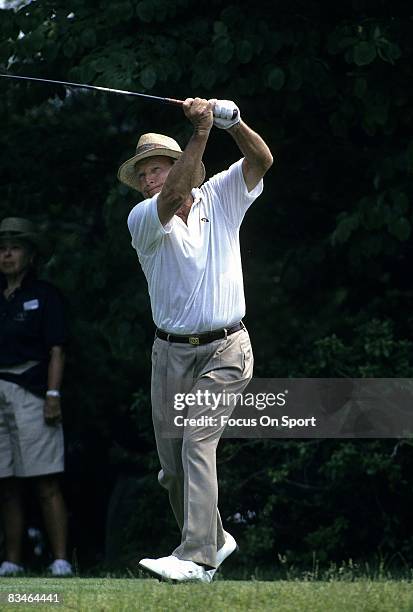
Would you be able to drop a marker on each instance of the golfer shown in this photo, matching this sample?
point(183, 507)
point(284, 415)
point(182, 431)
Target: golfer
point(186, 234)
point(32, 335)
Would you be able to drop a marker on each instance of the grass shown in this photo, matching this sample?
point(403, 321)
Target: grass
point(126, 595)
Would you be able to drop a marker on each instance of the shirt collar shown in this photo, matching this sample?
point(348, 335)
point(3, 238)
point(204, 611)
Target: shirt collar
point(28, 279)
point(196, 194)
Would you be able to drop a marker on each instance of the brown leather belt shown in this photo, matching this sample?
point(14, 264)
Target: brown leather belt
point(204, 338)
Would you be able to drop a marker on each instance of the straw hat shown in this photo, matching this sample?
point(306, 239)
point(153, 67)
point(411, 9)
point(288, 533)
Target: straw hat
point(17, 228)
point(150, 145)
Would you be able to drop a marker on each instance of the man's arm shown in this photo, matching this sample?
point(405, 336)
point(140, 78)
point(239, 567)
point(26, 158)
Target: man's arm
point(257, 156)
point(180, 180)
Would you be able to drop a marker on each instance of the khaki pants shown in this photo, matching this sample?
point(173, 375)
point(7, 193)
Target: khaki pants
point(189, 463)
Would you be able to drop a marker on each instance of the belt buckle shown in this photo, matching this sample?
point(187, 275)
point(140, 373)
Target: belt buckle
point(194, 340)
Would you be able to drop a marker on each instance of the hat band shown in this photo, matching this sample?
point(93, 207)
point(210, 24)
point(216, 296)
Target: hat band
point(151, 147)
point(8, 232)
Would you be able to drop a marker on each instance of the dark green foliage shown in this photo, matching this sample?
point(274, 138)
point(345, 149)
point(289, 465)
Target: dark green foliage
point(326, 249)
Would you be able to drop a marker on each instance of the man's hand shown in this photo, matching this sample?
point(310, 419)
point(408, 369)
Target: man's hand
point(226, 114)
point(199, 113)
point(52, 412)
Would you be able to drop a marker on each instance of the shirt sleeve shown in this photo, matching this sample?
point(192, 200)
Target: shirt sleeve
point(54, 324)
point(145, 227)
point(232, 192)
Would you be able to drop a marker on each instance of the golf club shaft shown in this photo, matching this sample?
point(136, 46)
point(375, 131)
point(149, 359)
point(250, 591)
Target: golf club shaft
point(105, 89)
point(97, 88)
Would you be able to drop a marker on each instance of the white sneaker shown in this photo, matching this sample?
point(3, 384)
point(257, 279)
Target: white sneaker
point(225, 551)
point(7, 568)
point(172, 568)
point(60, 567)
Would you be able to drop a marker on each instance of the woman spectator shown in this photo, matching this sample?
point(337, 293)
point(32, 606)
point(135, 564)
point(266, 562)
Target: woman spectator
point(32, 339)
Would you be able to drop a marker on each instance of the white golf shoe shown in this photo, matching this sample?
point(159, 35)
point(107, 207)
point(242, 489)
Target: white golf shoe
point(179, 570)
point(225, 551)
point(172, 568)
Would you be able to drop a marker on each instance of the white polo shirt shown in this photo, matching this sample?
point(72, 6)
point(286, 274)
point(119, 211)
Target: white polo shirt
point(194, 271)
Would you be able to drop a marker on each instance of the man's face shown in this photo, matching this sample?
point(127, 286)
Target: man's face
point(152, 173)
point(15, 257)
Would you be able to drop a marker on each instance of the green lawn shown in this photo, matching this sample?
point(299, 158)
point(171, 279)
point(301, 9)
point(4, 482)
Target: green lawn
point(107, 594)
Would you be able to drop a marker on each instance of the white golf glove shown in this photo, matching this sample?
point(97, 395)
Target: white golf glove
point(226, 114)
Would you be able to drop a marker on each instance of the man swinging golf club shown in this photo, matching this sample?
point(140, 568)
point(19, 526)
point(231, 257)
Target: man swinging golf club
point(186, 234)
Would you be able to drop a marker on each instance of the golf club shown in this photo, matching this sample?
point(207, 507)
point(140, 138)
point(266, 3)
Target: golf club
point(104, 89)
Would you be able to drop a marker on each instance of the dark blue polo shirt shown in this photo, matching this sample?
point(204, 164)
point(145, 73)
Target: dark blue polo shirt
point(31, 322)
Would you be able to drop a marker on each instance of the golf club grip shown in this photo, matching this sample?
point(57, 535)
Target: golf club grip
point(234, 113)
point(180, 102)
